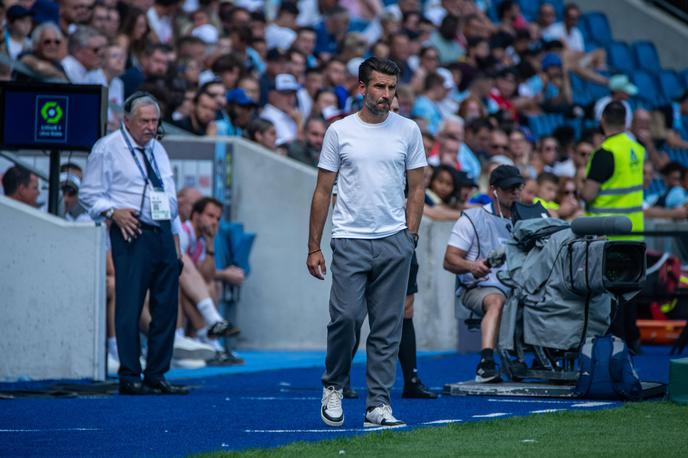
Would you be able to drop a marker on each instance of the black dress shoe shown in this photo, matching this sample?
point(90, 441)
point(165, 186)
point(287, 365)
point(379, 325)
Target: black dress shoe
point(164, 387)
point(133, 388)
point(416, 390)
point(349, 393)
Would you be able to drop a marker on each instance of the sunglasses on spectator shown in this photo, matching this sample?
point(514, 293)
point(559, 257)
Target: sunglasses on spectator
point(49, 41)
point(569, 192)
point(504, 147)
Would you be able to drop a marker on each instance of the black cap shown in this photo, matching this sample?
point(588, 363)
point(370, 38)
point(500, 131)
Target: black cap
point(464, 181)
point(15, 12)
point(506, 176)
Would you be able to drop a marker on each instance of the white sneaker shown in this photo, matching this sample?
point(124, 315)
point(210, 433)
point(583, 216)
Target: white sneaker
point(112, 365)
point(381, 416)
point(185, 348)
point(331, 407)
point(180, 363)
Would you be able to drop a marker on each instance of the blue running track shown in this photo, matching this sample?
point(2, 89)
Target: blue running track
point(273, 400)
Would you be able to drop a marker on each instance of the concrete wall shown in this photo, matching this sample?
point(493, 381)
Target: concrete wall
point(52, 296)
point(633, 20)
point(282, 306)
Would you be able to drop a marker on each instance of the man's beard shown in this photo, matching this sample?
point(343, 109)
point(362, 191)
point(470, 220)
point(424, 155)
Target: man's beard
point(373, 108)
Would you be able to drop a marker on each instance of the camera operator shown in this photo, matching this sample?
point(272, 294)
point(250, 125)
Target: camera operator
point(475, 235)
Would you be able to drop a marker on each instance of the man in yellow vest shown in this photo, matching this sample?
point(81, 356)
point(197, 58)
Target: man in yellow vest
point(613, 187)
point(614, 174)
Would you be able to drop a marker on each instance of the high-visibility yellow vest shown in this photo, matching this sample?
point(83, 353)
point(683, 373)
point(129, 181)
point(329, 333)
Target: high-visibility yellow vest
point(622, 194)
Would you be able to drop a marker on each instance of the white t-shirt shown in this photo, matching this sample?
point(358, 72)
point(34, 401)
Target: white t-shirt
point(572, 40)
point(372, 160)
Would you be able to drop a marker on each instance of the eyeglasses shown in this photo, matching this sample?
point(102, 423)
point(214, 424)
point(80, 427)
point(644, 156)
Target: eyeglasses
point(97, 49)
point(495, 146)
point(49, 41)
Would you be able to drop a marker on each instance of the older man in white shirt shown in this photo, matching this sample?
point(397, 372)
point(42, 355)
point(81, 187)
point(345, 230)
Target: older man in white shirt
point(129, 181)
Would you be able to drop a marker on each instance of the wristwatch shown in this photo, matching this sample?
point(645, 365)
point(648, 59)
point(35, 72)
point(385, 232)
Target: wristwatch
point(108, 214)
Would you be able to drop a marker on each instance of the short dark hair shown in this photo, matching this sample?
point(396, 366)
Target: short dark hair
point(14, 177)
point(70, 165)
point(547, 176)
point(614, 114)
point(375, 64)
point(672, 167)
point(432, 81)
point(200, 204)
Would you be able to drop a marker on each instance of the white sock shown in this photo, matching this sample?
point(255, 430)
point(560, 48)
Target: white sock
point(209, 312)
point(179, 332)
point(112, 347)
point(215, 343)
point(202, 334)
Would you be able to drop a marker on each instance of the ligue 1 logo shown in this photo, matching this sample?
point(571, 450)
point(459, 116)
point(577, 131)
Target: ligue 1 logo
point(51, 119)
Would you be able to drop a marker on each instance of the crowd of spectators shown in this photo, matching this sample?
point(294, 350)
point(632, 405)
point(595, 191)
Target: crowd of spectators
point(278, 73)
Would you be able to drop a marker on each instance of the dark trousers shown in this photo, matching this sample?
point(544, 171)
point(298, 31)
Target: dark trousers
point(147, 263)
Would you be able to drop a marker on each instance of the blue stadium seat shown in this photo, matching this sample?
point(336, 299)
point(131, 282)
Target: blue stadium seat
point(684, 77)
point(619, 57)
point(671, 85)
point(558, 7)
point(579, 87)
point(678, 155)
point(646, 57)
point(649, 94)
point(529, 8)
point(598, 27)
point(656, 186)
point(597, 91)
point(545, 124)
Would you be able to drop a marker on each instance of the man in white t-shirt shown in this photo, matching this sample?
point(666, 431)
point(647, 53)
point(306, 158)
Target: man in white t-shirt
point(374, 154)
point(475, 235)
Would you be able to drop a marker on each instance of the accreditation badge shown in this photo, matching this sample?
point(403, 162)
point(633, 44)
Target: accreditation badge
point(160, 205)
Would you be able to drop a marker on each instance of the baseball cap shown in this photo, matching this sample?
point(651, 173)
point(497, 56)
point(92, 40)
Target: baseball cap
point(238, 96)
point(15, 12)
point(206, 32)
point(284, 82)
point(446, 74)
point(464, 181)
point(621, 83)
point(506, 176)
point(331, 113)
point(550, 60)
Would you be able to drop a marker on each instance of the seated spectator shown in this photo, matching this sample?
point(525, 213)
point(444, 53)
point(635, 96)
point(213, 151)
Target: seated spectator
point(115, 60)
point(641, 128)
point(186, 197)
point(650, 210)
point(43, 61)
point(201, 121)
point(427, 105)
point(161, 16)
point(529, 192)
point(135, 35)
point(547, 154)
point(471, 109)
point(677, 130)
point(674, 194)
point(521, 152)
point(241, 109)
point(153, 66)
point(621, 90)
point(308, 150)
point(445, 40)
point(330, 32)
point(281, 109)
point(263, 132)
point(446, 193)
point(84, 64)
point(548, 186)
point(197, 281)
point(570, 207)
point(70, 181)
point(21, 185)
point(18, 28)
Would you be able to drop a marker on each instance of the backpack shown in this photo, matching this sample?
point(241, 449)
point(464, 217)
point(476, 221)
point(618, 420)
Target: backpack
point(606, 370)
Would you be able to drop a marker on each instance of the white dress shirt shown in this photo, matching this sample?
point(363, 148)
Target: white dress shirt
point(113, 180)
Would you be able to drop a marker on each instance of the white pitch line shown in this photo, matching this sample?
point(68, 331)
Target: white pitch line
point(47, 430)
point(281, 398)
point(528, 401)
point(442, 422)
point(546, 410)
point(592, 404)
point(491, 415)
point(331, 430)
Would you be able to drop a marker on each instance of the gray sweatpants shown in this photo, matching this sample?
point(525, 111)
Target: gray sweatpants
point(367, 275)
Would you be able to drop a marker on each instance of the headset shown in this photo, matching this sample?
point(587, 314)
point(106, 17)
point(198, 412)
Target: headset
point(160, 133)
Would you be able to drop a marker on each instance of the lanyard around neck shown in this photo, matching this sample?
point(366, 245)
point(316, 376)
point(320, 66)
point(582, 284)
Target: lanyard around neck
point(154, 164)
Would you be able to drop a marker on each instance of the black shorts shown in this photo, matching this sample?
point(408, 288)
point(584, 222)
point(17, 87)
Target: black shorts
point(412, 287)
